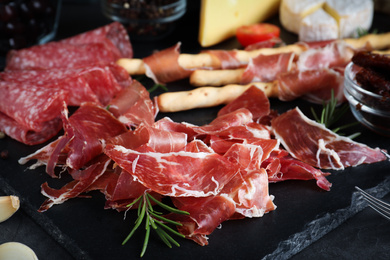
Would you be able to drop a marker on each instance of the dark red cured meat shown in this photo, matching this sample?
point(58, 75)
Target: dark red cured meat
point(292, 85)
point(101, 45)
point(281, 166)
point(163, 66)
point(252, 99)
point(265, 68)
point(236, 118)
point(114, 32)
point(249, 188)
point(227, 59)
point(133, 106)
point(206, 214)
point(175, 174)
point(167, 124)
point(265, 44)
point(86, 131)
point(27, 136)
point(60, 55)
point(160, 140)
point(334, 54)
point(319, 147)
point(95, 83)
point(35, 111)
point(74, 188)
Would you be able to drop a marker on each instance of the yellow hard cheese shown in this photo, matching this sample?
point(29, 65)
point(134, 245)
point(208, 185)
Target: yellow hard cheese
point(219, 19)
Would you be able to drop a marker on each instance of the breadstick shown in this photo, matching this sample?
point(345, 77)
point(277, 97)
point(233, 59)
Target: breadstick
point(215, 77)
point(202, 60)
point(209, 96)
point(375, 41)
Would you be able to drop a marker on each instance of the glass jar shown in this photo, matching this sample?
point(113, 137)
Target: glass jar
point(24, 23)
point(370, 109)
point(145, 19)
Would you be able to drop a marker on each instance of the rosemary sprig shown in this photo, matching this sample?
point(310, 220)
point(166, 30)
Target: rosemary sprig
point(155, 220)
point(331, 114)
point(156, 86)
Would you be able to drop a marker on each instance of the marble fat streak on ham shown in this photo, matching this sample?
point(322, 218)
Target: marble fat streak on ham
point(318, 146)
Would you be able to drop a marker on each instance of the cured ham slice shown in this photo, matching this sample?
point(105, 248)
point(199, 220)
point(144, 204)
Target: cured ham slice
point(227, 59)
point(102, 45)
point(280, 166)
point(133, 106)
point(206, 214)
point(223, 122)
point(312, 143)
point(75, 187)
point(163, 66)
point(295, 84)
point(95, 83)
point(175, 174)
point(252, 99)
point(29, 113)
point(333, 54)
point(249, 188)
point(265, 68)
point(83, 140)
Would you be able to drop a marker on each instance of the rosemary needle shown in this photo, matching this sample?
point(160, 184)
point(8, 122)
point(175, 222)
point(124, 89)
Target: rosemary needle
point(155, 220)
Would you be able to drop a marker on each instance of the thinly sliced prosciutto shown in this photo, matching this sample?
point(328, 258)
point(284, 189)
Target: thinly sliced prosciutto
point(265, 68)
point(133, 106)
point(85, 134)
point(163, 66)
point(312, 143)
point(227, 59)
point(175, 174)
point(281, 166)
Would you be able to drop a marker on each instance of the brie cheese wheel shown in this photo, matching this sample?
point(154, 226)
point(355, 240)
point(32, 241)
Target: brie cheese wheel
point(316, 20)
point(351, 15)
point(318, 26)
point(292, 12)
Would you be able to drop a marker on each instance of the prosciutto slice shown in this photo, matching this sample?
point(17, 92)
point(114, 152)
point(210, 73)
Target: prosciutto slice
point(133, 106)
point(82, 141)
point(175, 174)
point(281, 166)
point(295, 84)
point(163, 66)
point(312, 143)
point(227, 59)
point(265, 68)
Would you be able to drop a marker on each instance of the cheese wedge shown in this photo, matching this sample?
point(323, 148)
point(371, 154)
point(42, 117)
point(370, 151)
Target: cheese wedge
point(351, 15)
point(318, 26)
point(292, 12)
point(219, 19)
point(312, 19)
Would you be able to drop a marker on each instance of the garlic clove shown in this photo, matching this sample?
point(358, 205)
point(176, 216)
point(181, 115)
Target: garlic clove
point(8, 206)
point(16, 251)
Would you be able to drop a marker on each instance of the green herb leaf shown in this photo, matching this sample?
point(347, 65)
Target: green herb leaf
point(155, 220)
point(331, 114)
point(156, 86)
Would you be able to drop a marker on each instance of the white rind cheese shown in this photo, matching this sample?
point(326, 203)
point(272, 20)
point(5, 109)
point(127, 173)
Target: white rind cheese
point(293, 11)
point(318, 26)
point(351, 15)
point(312, 19)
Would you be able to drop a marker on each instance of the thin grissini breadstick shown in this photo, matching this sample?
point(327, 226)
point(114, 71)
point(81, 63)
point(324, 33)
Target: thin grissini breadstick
point(209, 96)
point(203, 60)
point(206, 60)
point(216, 77)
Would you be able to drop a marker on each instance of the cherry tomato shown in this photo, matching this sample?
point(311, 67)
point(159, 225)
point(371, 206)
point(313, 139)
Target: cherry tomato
point(250, 34)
